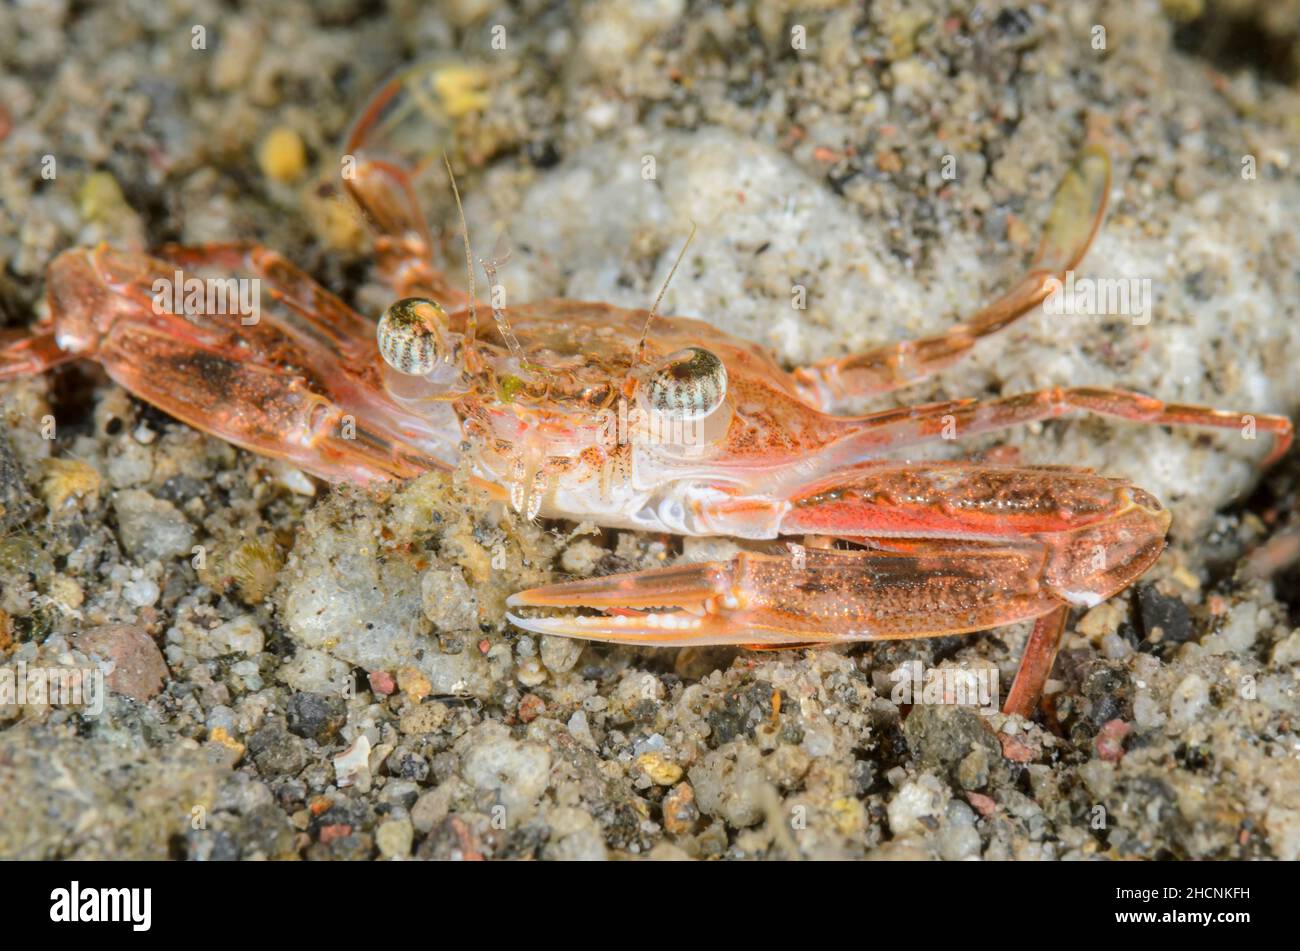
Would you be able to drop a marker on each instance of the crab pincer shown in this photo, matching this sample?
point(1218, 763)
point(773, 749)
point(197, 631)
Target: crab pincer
point(946, 548)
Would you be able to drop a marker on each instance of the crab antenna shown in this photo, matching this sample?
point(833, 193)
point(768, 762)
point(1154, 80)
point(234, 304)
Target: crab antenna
point(649, 317)
point(471, 325)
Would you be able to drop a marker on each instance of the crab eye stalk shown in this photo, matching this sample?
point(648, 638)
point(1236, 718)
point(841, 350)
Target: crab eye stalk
point(687, 385)
point(412, 336)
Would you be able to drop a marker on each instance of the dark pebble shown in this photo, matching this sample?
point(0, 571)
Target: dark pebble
point(1109, 694)
point(940, 736)
point(276, 751)
point(316, 716)
point(1168, 614)
point(409, 765)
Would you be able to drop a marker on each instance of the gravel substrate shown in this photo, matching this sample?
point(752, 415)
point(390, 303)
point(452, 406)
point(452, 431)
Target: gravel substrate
point(305, 671)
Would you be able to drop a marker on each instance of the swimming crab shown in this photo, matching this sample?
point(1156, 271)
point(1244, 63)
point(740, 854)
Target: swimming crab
point(586, 411)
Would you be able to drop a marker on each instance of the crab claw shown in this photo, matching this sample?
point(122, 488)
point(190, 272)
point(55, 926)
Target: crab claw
point(706, 603)
point(820, 595)
point(921, 588)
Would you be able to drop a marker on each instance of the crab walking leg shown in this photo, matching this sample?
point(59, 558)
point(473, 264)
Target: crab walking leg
point(308, 311)
point(1076, 215)
point(403, 248)
point(26, 354)
point(912, 426)
point(1036, 663)
point(380, 184)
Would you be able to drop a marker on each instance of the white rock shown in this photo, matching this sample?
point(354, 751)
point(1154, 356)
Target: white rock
point(1189, 699)
point(580, 730)
point(394, 838)
point(151, 528)
point(352, 766)
point(730, 783)
point(141, 593)
point(560, 654)
point(1287, 651)
point(1147, 714)
point(448, 601)
point(314, 671)
point(1099, 776)
point(926, 796)
point(239, 635)
point(1238, 631)
point(575, 837)
point(517, 772)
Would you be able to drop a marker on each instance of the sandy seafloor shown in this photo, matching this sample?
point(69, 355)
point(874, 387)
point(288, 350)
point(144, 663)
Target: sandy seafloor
point(338, 682)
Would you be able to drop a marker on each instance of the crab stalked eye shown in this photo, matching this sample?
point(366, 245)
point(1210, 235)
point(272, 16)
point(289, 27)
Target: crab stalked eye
point(689, 384)
point(412, 336)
